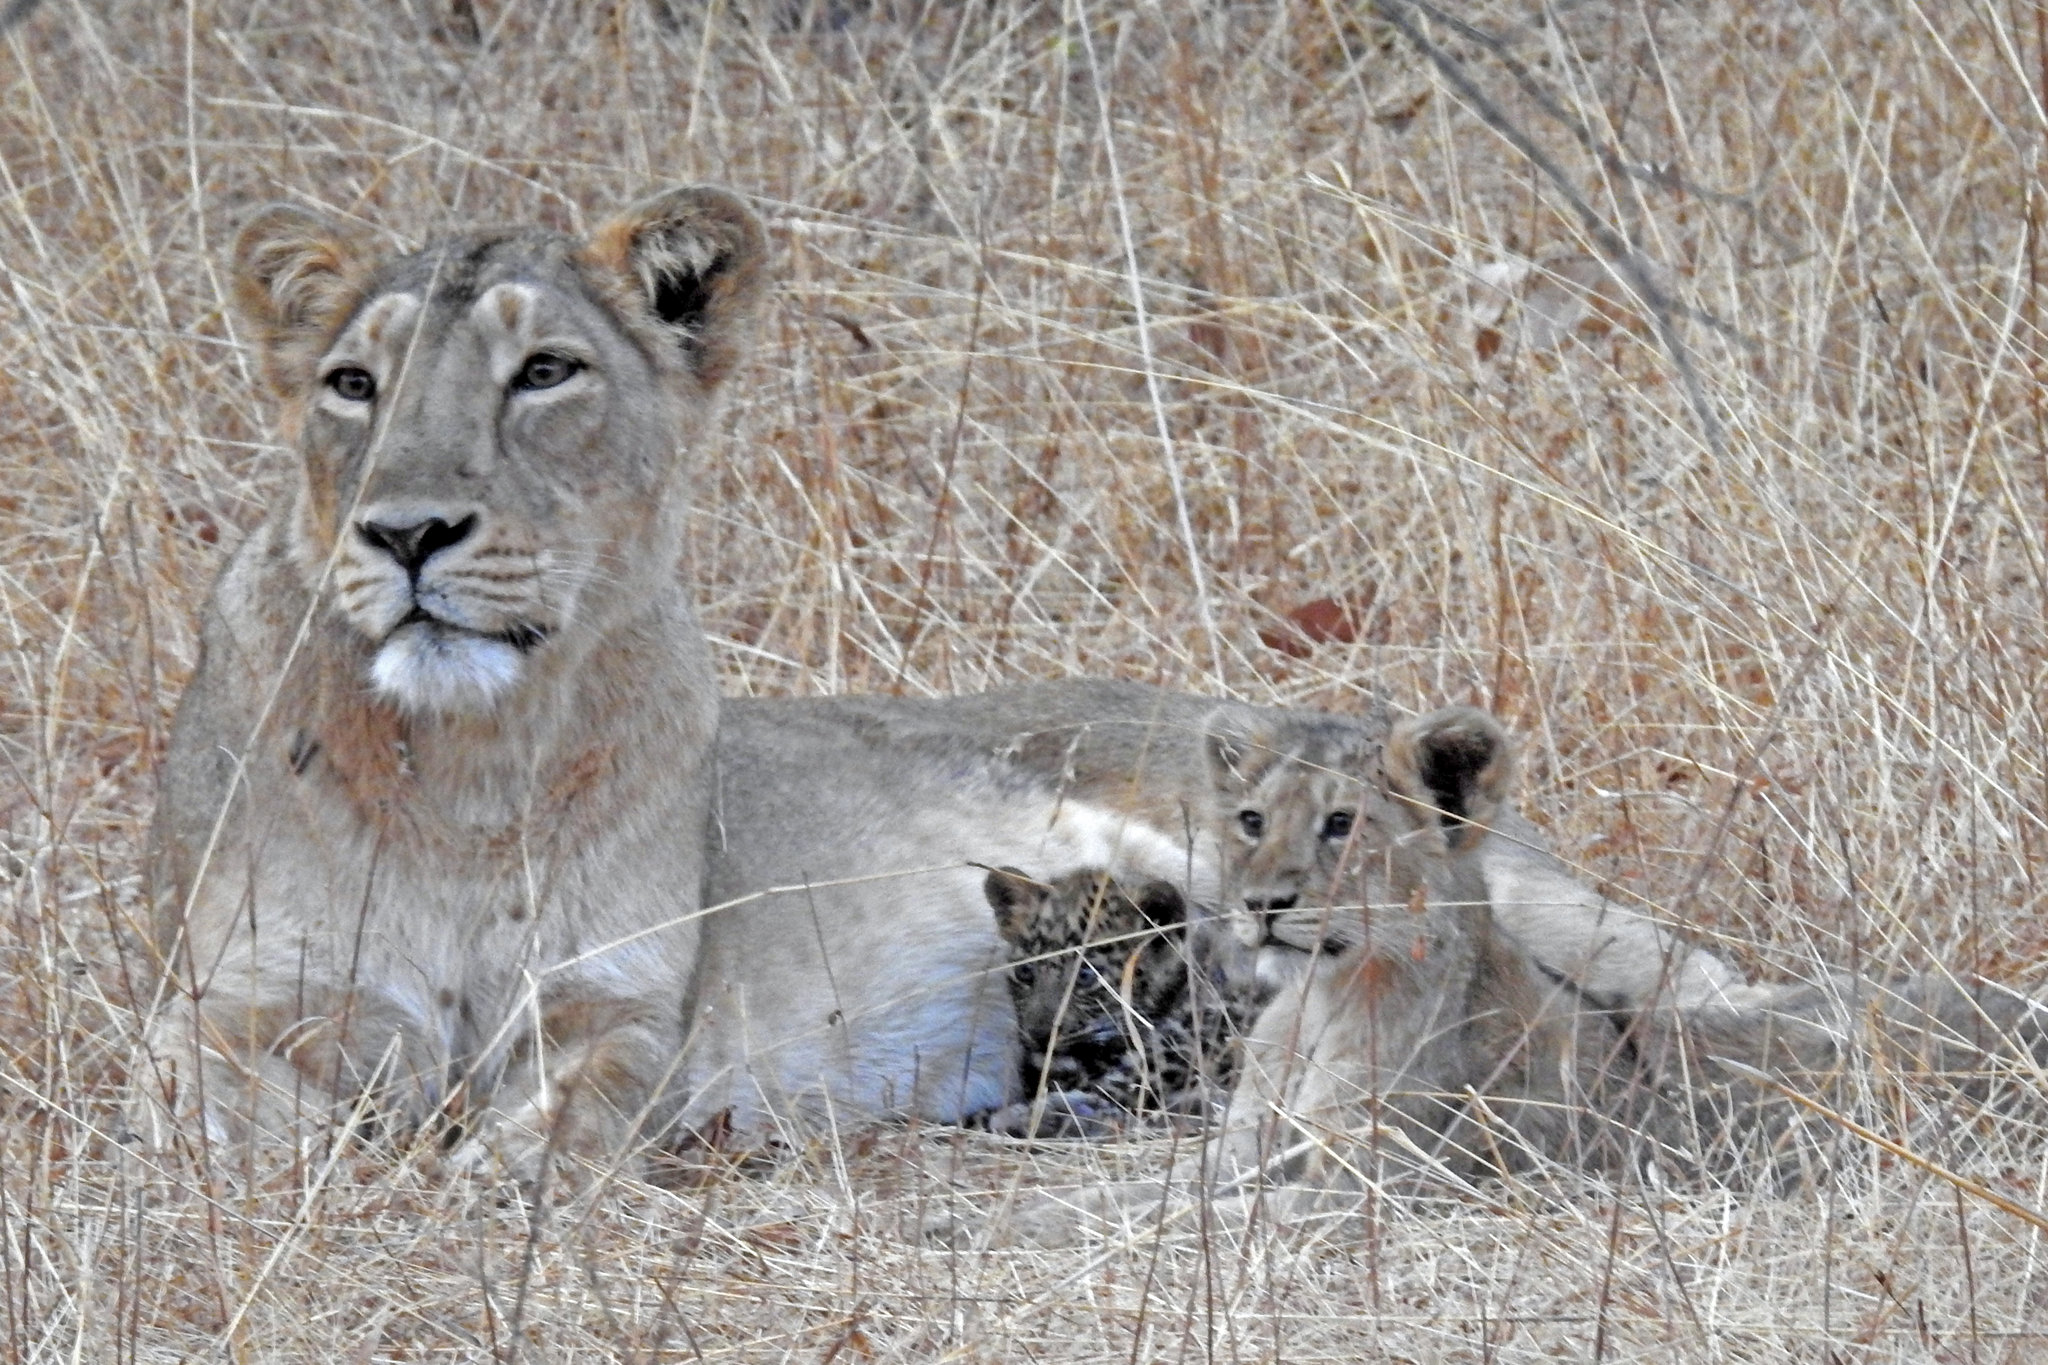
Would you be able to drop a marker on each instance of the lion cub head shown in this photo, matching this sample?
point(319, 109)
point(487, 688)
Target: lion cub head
point(1322, 824)
point(488, 426)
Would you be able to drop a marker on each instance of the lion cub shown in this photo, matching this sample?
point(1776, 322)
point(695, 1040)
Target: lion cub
point(1120, 1010)
point(1407, 1025)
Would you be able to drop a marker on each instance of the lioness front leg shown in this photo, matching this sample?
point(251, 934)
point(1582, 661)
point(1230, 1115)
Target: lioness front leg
point(228, 1069)
point(581, 1089)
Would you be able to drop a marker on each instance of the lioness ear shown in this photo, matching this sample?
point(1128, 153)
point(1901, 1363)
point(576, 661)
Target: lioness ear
point(697, 258)
point(1456, 763)
point(297, 274)
point(1014, 897)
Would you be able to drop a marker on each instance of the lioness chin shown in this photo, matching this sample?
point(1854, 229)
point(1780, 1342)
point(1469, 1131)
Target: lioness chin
point(427, 839)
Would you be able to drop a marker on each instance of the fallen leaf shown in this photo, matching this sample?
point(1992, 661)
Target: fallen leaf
point(1326, 620)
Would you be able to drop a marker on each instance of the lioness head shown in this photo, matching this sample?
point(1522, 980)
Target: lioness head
point(1321, 825)
point(489, 425)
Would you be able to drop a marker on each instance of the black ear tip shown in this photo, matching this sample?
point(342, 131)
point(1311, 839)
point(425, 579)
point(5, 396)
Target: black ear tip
point(1455, 750)
point(1162, 903)
point(1466, 747)
point(697, 257)
point(681, 297)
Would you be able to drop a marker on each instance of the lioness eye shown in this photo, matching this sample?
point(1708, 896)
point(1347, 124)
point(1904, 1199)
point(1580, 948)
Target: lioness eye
point(1251, 822)
point(544, 370)
point(1337, 824)
point(355, 385)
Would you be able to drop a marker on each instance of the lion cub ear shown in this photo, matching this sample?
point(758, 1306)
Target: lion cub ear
point(697, 259)
point(1456, 764)
point(1161, 903)
point(1235, 746)
point(297, 276)
point(1016, 898)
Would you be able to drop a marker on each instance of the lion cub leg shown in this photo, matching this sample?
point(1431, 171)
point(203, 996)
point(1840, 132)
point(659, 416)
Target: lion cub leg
point(1437, 1047)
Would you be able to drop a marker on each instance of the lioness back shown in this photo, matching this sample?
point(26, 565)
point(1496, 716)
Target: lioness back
point(1127, 745)
point(429, 826)
point(851, 967)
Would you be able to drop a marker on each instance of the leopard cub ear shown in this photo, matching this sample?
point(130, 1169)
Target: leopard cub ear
point(1162, 903)
point(1017, 899)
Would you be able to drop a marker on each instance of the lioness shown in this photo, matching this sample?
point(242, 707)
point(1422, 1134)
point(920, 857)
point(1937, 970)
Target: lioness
point(428, 835)
point(848, 961)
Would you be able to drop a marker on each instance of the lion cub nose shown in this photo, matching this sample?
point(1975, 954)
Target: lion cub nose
point(1270, 904)
point(412, 544)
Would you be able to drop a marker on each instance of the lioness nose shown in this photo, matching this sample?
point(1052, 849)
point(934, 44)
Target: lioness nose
point(1271, 903)
point(414, 543)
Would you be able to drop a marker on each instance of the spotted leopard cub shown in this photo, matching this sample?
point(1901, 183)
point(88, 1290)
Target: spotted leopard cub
point(1121, 1013)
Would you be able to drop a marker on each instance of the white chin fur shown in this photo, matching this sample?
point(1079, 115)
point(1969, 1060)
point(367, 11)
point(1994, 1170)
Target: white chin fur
point(426, 669)
point(1281, 969)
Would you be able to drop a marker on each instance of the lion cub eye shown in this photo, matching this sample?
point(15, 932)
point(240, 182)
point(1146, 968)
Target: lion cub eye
point(1337, 824)
point(355, 385)
point(544, 370)
point(1251, 822)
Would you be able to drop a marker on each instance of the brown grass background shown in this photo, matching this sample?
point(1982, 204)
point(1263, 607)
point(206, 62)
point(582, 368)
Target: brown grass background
point(1224, 345)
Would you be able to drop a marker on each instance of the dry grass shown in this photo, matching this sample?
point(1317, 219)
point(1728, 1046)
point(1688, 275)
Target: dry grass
point(1108, 337)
